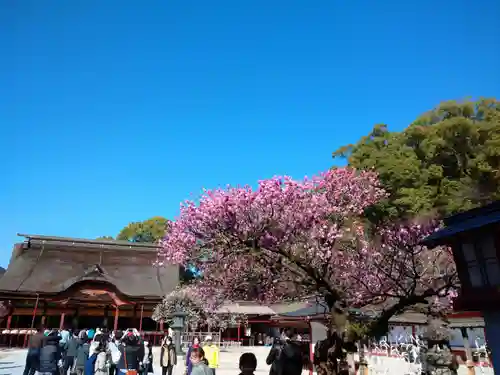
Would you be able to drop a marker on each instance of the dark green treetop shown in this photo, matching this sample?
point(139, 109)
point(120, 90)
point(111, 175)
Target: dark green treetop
point(446, 161)
point(150, 230)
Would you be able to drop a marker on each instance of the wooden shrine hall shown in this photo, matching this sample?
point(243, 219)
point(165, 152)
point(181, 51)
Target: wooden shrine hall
point(78, 283)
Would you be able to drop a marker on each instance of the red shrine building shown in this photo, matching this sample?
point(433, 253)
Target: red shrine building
point(58, 281)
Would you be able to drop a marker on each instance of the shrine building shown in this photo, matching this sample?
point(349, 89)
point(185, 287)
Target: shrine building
point(80, 283)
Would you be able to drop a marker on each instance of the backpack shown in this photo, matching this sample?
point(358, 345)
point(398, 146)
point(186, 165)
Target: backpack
point(100, 363)
point(116, 355)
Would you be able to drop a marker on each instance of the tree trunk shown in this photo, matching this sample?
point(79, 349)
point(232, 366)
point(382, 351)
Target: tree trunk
point(330, 357)
point(330, 354)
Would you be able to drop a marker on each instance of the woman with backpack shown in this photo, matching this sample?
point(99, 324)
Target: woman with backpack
point(101, 361)
point(114, 349)
point(95, 349)
point(132, 354)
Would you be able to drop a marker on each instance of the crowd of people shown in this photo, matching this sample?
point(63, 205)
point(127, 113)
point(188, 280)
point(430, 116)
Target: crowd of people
point(100, 352)
point(95, 352)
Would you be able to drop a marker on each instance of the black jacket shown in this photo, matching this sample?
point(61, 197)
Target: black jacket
point(132, 355)
point(71, 346)
point(285, 359)
point(50, 354)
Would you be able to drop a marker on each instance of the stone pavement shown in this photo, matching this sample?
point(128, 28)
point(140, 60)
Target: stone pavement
point(12, 363)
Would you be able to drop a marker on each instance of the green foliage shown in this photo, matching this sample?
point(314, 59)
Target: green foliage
point(357, 331)
point(446, 161)
point(105, 238)
point(150, 230)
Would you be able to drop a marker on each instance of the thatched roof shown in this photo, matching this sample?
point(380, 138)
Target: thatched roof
point(51, 265)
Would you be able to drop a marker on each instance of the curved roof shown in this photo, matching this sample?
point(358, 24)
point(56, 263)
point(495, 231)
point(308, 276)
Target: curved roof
point(53, 264)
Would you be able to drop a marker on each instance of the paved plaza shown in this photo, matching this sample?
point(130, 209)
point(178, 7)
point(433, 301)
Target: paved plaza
point(12, 363)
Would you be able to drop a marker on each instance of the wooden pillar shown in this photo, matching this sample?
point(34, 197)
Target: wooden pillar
point(75, 322)
point(61, 322)
point(140, 320)
point(161, 325)
point(44, 314)
point(9, 323)
point(117, 314)
point(105, 321)
point(239, 333)
point(34, 311)
point(135, 322)
point(32, 320)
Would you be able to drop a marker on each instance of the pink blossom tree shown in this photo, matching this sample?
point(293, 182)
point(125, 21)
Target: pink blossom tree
point(291, 239)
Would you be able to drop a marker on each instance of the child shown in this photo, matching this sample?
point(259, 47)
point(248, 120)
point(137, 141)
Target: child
point(248, 364)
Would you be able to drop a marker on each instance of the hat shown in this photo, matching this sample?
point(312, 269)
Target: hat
point(208, 338)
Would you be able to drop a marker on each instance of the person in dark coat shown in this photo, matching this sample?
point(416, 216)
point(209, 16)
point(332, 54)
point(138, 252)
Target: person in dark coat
point(50, 354)
point(70, 349)
point(32, 358)
point(286, 356)
point(89, 364)
point(82, 354)
point(132, 353)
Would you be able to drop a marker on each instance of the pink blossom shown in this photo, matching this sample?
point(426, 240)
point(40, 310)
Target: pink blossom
point(289, 239)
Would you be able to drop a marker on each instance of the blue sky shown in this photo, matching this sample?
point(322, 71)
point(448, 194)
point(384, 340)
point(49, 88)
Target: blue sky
point(115, 111)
